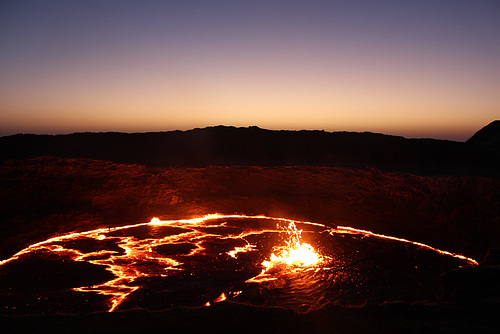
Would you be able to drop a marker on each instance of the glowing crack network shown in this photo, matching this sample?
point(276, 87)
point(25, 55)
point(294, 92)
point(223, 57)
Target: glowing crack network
point(198, 262)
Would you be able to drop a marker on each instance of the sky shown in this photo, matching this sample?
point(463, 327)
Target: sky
point(410, 68)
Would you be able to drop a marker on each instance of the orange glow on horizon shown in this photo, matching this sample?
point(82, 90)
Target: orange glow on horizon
point(395, 68)
point(311, 97)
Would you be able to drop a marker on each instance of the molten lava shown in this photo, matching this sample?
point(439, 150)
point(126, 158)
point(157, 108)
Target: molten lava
point(295, 253)
point(206, 260)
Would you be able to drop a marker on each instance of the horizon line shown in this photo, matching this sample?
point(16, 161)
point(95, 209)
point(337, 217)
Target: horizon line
point(64, 133)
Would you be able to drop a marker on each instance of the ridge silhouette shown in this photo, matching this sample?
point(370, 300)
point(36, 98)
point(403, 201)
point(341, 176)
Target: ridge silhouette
point(226, 146)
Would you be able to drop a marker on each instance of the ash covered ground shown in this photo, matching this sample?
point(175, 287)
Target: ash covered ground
point(43, 197)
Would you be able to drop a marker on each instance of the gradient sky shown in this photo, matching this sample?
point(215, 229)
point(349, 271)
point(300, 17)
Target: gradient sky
point(411, 68)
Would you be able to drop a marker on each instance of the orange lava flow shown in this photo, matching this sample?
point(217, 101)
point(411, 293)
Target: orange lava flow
point(346, 229)
point(294, 254)
point(125, 267)
point(243, 249)
point(138, 258)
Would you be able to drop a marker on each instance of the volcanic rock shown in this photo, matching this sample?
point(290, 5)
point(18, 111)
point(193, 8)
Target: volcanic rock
point(46, 196)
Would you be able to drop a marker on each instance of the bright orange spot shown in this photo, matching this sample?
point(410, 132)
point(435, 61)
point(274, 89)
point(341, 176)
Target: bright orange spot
point(295, 253)
point(221, 298)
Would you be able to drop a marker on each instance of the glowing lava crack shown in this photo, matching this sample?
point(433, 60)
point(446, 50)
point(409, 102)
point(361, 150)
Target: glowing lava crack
point(248, 259)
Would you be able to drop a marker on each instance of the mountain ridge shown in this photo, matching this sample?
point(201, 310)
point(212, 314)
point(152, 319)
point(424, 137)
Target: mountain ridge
point(228, 145)
point(488, 135)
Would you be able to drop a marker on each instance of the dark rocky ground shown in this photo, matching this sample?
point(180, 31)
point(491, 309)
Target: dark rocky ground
point(46, 196)
point(252, 146)
point(42, 197)
point(235, 318)
point(445, 194)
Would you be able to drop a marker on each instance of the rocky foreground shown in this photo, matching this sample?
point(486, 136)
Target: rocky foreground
point(46, 196)
point(43, 197)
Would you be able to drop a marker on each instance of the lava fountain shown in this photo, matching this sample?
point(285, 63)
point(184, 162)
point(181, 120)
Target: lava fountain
point(294, 252)
point(254, 260)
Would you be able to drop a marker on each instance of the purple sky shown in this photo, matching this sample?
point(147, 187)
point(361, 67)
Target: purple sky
point(411, 68)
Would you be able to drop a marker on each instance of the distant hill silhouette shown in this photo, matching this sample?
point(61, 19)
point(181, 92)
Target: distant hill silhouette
point(489, 135)
point(223, 145)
